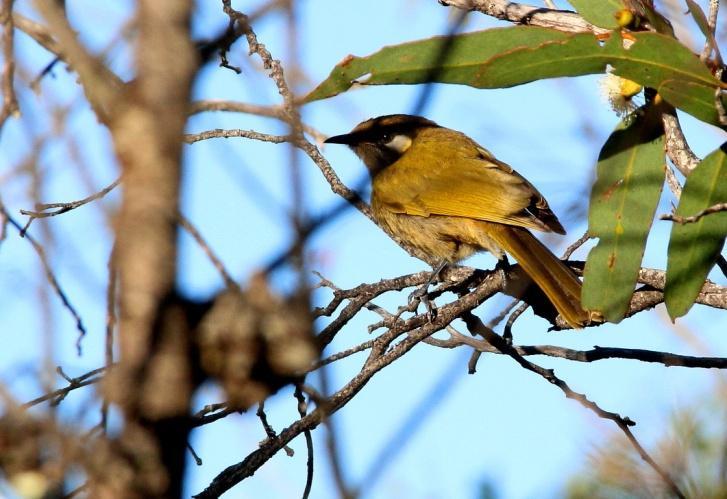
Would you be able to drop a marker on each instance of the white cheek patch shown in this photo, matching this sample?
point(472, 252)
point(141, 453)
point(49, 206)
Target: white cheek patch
point(400, 143)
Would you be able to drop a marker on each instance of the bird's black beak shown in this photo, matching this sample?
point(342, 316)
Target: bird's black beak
point(347, 138)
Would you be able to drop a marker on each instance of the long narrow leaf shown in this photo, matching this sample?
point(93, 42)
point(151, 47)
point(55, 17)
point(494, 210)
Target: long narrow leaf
point(630, 175)
point(506, 57)
point(413, 62)
point(652, 59)
point(694, 247)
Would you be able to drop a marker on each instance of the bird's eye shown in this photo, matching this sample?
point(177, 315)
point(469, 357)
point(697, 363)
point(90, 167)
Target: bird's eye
point(386, 138)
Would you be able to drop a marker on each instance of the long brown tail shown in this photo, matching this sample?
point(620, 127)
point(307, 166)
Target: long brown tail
point(557, 281)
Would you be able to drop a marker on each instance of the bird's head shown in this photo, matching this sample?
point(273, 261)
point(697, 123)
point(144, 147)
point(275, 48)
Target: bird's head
point(381, 141)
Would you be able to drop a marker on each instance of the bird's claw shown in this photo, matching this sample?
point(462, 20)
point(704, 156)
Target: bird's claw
point(421, 295)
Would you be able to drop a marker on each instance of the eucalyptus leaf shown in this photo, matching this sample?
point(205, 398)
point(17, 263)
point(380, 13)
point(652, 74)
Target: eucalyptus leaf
point(699, 17)
point(694, 247)
point(600, 13)
point(695, 98)
point(651, 59)
point(630, 176)
point(505, 57)
point(416, 62)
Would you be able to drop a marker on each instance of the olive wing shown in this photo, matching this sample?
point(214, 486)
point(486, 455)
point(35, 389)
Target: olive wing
point(462, 182)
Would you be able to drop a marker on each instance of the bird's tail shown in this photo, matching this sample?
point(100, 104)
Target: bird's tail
point(557, 281)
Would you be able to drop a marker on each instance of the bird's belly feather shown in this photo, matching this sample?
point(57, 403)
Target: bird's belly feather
point(436, 238)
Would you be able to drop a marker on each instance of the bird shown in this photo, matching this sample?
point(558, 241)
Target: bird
point(443, 197)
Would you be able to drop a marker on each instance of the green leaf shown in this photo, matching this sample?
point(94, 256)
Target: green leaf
point(630, 175)
point(699, 17)
point(703, 23)
point(694, 98)
point(600, 12)
point(505, 57)
point(417, 62)
point(694, 247)
point(652, 59)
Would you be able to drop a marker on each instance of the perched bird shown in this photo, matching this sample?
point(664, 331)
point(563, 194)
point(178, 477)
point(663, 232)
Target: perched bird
point(443, 197)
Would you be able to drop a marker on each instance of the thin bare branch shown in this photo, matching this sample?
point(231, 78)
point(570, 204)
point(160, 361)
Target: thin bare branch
point(573, 247)
point(211, 413)
point(710, 43)
point(216, 262)
point(219, 133)
point(10, 100)
point(302, 409)
point(110, 327)
point(255, 109)
point(717, 208)
point(60, 208)
point(594, 355)
point(382, 355)
point(474, 324)
point(55, 397)
point(101, 86)
point(50, 275)
point(532, 15)
point(269, 431)
point(676, 145)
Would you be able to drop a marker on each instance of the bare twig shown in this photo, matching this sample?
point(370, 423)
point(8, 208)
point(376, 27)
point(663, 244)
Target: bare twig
point(337, 186)
point(218, 133)
point(573, 247)
point(269, 431)
point(10, 100)
point(55, 397)
point(60, 208)
point(710, 43)
point(507, 332)
point(211, 413)
point(717, 208)
point(100, 85)
point(528, 14)
point(255, 109)
point(474, 324)
point(50, 275)
point(236, 107)
point(676, 145)
point(382, 355)
point(242, 22)
point(646, 457)
point(277, 75)
point(110, 326)
point(197, 459)
point(492, 323)
point(332, 440)
point(407, 429)
point(673, 183)
point(342, 355)
point(216, 262)
point(596, 354)
point(302, 409)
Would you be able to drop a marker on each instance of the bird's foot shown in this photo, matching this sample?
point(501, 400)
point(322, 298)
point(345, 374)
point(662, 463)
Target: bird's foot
point(421, 295)
point(503, 265)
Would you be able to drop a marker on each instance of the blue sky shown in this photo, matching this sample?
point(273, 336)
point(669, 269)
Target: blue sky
point(503, 425)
